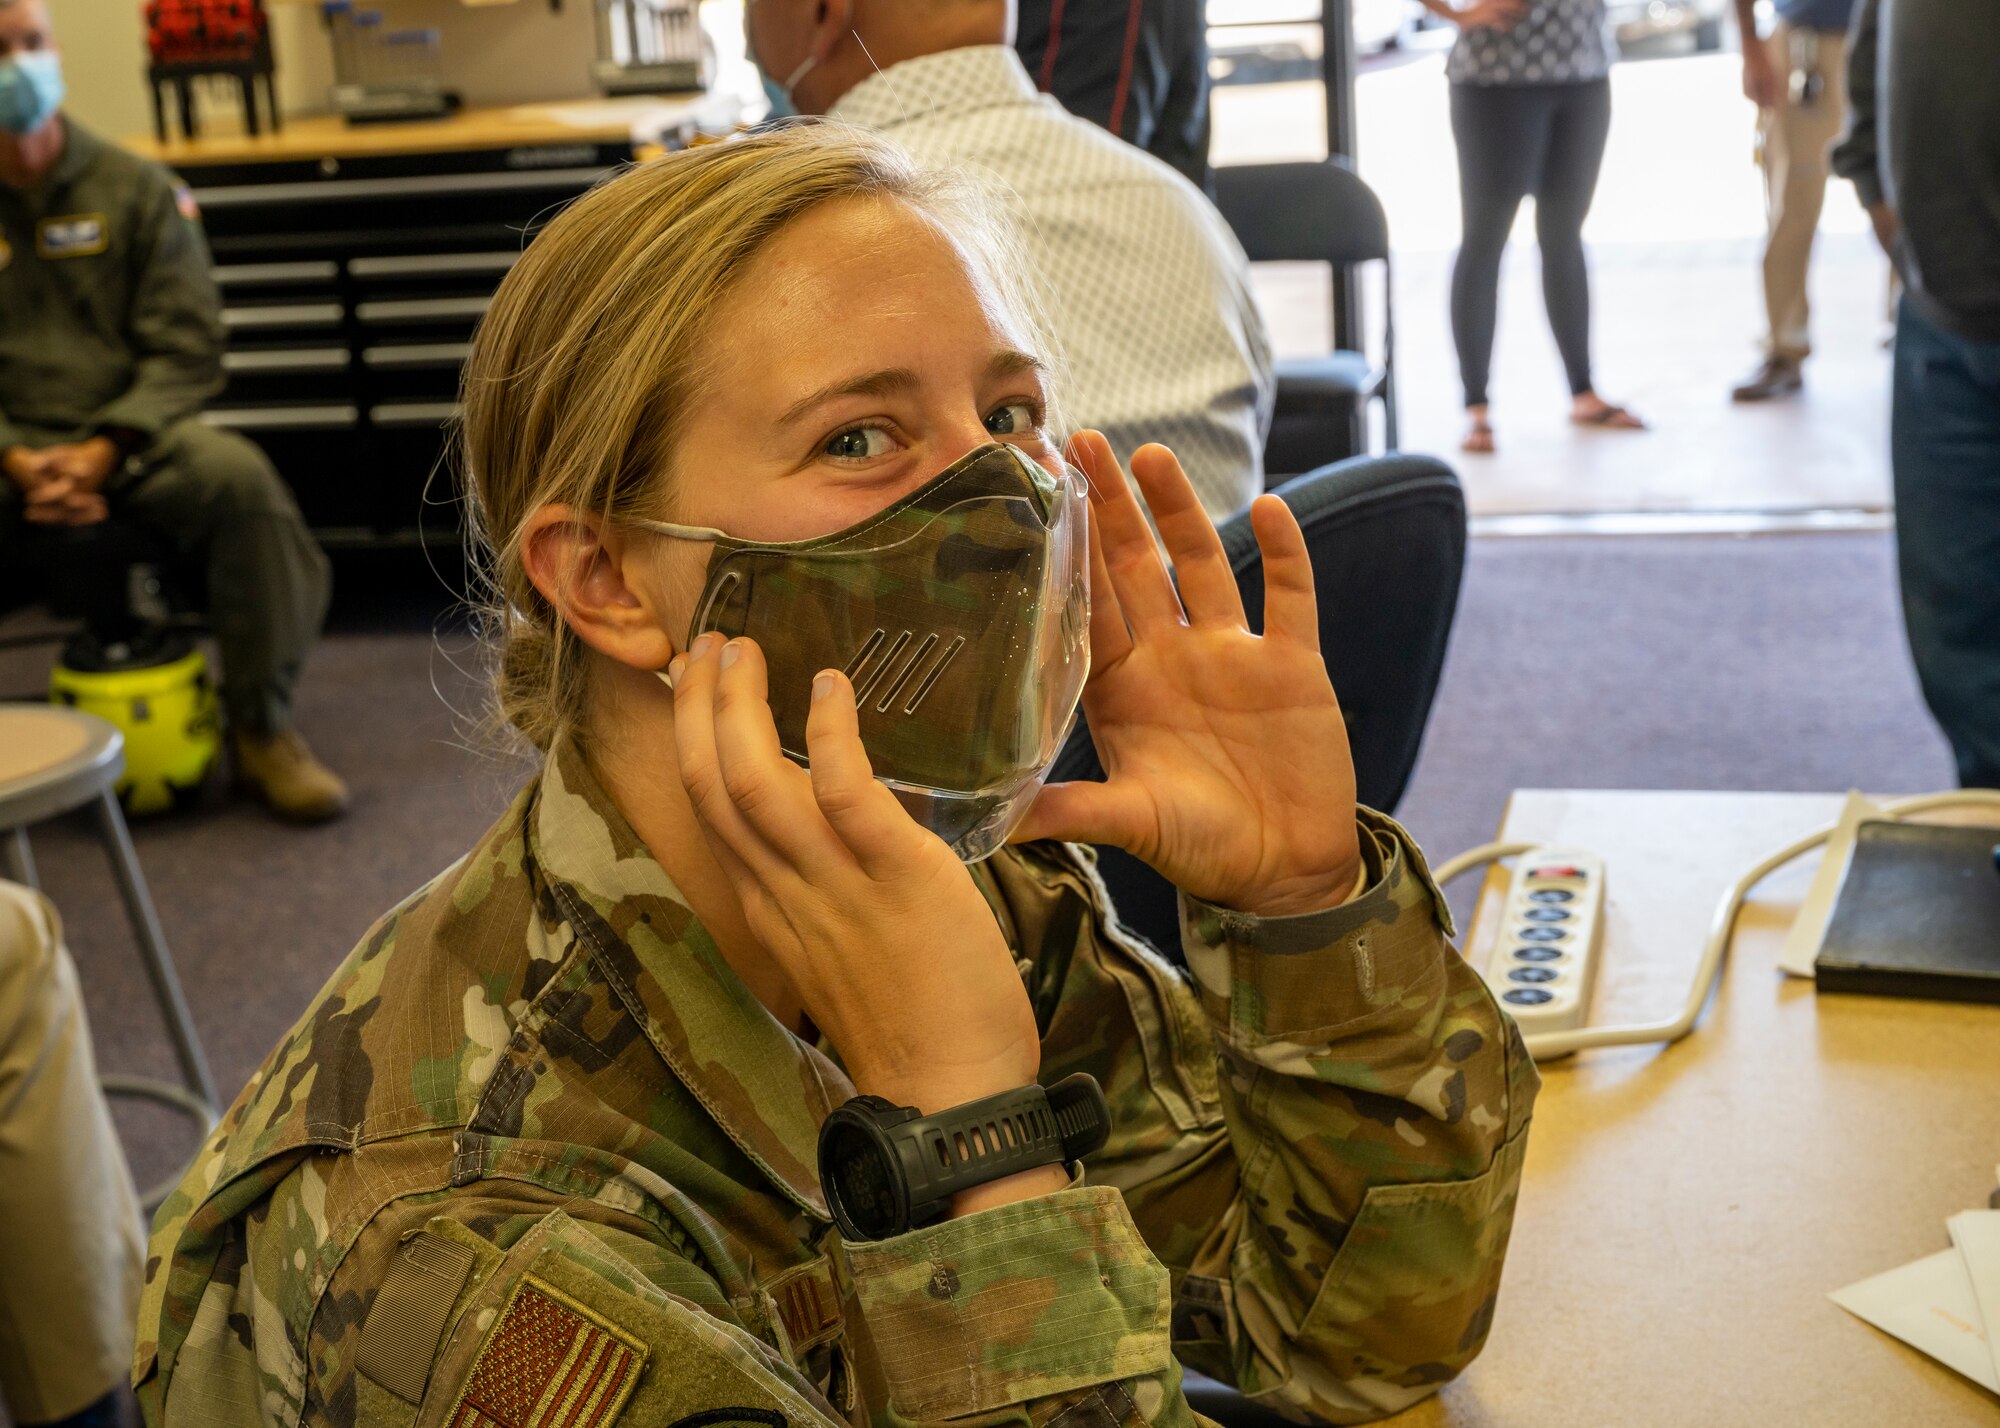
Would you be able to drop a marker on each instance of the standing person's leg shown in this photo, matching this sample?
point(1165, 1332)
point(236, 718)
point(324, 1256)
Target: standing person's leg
point(216, 498)
point(1181, 137)
point(1797, 134)
point(1570, 166)
point(1945, 452)
point(1794, 188)
point(71, 1246)
point(1499, 131)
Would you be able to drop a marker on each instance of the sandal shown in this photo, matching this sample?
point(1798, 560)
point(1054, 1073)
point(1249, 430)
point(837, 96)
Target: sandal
point(1608, 417)
point(1478, 439)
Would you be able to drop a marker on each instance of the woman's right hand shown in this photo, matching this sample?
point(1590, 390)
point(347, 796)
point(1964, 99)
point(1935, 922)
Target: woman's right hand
point(1488, 14)
point(875, 922)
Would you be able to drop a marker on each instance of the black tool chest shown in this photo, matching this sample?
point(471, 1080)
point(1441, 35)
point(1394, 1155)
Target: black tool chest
point(350, 288)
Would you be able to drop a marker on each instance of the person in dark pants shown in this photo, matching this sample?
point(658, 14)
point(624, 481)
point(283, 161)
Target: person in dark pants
point(111, 341)
point(1923, 151)
point(1136, 67)
point(1530, 111)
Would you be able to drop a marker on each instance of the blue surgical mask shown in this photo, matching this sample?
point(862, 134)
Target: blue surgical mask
point(31, 90)
point(779, 97)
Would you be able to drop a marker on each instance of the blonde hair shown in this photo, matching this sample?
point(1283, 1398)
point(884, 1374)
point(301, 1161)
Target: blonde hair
point(593, 348)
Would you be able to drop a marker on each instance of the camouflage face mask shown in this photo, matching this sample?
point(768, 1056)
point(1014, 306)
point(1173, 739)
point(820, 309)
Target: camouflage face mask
point(961, 615)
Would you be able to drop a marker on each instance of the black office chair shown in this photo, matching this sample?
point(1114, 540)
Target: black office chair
point(1324, 213)
point(1387, 540)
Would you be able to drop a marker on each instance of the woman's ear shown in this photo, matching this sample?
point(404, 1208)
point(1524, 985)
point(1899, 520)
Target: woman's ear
point(588, 570)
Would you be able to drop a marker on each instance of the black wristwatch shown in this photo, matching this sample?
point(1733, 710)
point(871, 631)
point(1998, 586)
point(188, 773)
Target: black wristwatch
point(887, 1169)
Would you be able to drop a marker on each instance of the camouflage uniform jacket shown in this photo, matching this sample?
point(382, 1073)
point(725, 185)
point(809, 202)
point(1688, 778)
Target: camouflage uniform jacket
point(535, 1156)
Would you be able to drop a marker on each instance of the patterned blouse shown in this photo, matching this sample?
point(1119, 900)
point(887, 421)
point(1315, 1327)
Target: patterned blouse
point(1555, 42)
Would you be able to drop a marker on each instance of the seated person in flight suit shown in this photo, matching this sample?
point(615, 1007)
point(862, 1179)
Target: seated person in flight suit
point(1150, 289)
point(69, 1223)
point(543, 1151)
point(110, 342)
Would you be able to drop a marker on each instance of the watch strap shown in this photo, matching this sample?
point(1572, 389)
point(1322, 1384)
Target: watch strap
point(928, 1159)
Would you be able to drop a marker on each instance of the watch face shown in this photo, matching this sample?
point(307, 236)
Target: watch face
point(862, 1182)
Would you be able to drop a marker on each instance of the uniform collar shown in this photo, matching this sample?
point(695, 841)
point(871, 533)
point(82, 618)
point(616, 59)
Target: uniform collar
point(766, 1088)
point(935, 86)
point(80, 151)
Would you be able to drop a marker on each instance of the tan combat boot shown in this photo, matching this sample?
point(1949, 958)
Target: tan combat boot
point(283, 772)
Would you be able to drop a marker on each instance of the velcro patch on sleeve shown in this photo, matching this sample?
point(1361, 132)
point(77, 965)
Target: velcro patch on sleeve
point(549, 1362)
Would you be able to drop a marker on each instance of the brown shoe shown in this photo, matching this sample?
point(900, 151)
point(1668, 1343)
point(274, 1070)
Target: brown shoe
point(282, 771)
point(1776, 377)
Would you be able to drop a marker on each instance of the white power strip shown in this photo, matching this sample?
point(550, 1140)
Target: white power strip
point(1553, 1026)
point(1544, 961)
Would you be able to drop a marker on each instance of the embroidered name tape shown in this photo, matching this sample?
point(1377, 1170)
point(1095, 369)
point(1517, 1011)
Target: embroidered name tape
point(76, 236)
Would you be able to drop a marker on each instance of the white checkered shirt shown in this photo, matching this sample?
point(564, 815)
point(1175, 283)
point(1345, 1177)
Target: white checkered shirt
point(1148, 290)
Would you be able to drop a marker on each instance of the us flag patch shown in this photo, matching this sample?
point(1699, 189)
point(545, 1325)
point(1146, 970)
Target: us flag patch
point(549, 1362)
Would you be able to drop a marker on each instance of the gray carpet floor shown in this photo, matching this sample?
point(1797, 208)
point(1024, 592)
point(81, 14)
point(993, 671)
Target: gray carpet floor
point(1678, 662)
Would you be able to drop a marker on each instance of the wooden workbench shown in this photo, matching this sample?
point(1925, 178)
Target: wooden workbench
point(1685, 1210)
point(321, 136)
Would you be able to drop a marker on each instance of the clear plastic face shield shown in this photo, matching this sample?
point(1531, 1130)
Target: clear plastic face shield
point(961, 614)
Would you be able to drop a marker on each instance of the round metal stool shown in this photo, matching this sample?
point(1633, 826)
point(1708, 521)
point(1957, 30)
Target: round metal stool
point(53, 761)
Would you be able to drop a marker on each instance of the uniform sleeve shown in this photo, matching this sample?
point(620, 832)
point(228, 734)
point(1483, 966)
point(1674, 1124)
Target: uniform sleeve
point(497, 1305)
point(576, 1323)
point(1019, 1315)
point(581, 1325)
point(1320, 1140)
point(505, 1305)
point(1857, 156)
point(175, 326)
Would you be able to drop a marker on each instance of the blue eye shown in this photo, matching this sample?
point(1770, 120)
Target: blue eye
point(857, 443)
point(1014, 419)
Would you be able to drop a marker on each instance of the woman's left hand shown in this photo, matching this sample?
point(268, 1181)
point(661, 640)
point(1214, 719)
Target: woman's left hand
point(1226, 761)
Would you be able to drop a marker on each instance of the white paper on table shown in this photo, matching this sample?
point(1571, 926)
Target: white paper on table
point(1802, 943)
point(1929, 1306)
point(1977, 1235)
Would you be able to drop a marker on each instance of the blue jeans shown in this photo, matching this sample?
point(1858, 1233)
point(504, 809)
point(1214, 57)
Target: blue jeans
point(1945, 449)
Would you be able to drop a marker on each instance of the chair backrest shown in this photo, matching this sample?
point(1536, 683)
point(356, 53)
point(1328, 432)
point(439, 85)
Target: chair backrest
point(1387, 539)
point(1302, 213)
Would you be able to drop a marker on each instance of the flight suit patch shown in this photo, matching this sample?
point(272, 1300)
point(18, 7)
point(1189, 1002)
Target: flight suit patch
point(549, 1362)
point(76, 236)
point(184, 201)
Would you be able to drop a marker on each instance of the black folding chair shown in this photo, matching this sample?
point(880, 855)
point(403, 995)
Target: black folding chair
point(1316, 212)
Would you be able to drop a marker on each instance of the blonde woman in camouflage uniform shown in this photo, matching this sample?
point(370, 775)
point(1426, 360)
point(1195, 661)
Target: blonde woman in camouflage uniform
point(543, 1150)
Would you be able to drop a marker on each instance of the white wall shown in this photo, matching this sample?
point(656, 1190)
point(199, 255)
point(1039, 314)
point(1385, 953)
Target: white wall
point(517, 53)
point(104, 60)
